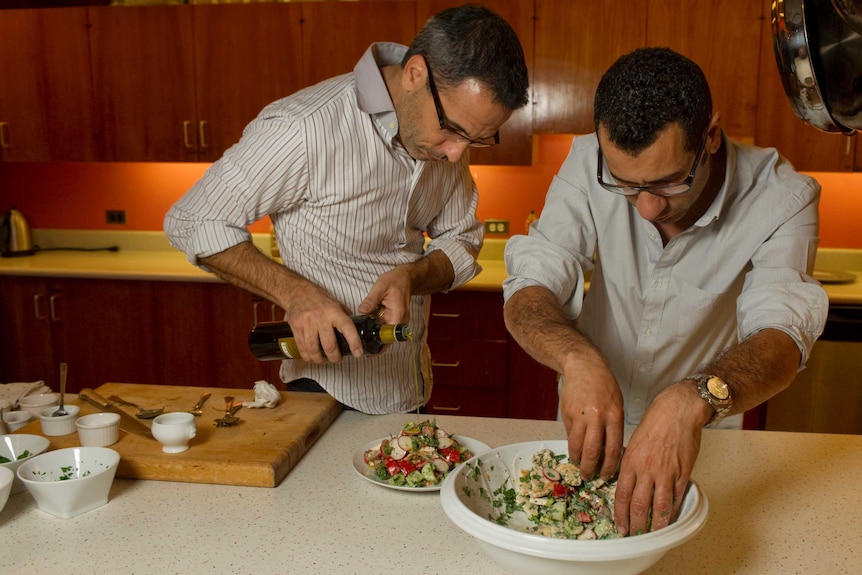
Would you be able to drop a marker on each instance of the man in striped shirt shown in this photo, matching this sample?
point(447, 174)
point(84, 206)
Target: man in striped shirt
point(354, 173)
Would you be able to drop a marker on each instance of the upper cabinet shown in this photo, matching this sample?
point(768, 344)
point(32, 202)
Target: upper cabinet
point(46, 100)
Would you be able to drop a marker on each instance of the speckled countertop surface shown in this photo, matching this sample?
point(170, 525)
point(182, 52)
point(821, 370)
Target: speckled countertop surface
point(779, 503)
point(148, 256)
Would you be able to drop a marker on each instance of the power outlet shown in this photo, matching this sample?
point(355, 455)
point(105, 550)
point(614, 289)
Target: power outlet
point(497, 227)
point(115, 216)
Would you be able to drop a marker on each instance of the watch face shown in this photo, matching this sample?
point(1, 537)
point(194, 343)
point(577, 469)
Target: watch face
point(717, 388)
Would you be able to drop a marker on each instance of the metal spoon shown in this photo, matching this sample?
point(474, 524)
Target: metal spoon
point(197, 409)
point(142, 413)
point(61, 411)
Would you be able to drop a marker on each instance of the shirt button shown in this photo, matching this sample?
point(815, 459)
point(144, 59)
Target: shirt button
point(647, 331)
point(638, 401)
point(642, 369)
point(391, 125)
point(659, 283)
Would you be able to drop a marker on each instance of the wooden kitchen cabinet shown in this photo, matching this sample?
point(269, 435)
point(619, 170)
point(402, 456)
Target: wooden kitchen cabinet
point(102, 328)
point(516, 135)
point(46, 104)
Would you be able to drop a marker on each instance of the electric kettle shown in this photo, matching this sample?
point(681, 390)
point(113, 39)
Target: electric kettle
point(15, 235)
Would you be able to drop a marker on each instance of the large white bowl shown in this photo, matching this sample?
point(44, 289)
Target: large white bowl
point(18, 448)
point(6, 479)
point(69, 482)
point(467, 498)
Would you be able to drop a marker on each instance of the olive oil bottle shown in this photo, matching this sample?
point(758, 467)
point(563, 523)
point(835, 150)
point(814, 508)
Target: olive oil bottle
point(274, 340)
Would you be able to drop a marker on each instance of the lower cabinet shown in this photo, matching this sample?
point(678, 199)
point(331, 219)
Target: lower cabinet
point(477, 368)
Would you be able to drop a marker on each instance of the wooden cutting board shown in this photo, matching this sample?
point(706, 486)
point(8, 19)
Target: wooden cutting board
point(259, 451)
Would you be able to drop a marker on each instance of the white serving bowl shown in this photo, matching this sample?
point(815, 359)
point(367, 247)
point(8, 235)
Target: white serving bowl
point(7, 478)
point(16, 446)
point(62, 425)
point(36, 403)
point(99, 429)
point(69, 482)
point(15, 420)
point(465, 499)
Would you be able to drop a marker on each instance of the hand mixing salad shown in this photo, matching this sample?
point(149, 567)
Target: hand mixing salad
point(561, 504)
point(421, 455)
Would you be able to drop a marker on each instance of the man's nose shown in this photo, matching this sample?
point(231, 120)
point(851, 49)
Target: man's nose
point(650, 206)
point(454, 150)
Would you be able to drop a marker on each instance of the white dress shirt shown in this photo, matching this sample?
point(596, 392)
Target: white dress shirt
point(658, 312)
point(348, 203)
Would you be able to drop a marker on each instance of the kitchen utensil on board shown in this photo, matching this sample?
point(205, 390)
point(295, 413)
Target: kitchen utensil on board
point(229, 418)
point(197, 409)
point(142, 413)
point(61, 411)
point(127, 423)
point(15, 237)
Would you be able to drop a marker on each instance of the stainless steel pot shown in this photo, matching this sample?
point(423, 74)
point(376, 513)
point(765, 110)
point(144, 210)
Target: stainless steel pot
point(16, 237)
point(819, 58)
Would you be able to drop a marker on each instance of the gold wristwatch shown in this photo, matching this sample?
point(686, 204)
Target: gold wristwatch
point(715, 392)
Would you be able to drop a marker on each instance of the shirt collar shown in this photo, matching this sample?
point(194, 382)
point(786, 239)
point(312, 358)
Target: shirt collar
point(372, 94)
point(728, 188)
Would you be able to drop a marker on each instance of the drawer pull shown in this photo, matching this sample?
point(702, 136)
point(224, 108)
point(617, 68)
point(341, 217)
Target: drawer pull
point(444, 408)
point(51, 301)
point(36, 299)
point(445, 315)
point(435, 364)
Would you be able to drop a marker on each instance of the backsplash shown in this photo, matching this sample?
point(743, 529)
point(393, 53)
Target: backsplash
point(77, 195)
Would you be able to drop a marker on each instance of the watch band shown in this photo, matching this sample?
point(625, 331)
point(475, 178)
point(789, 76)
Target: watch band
point(715, 392)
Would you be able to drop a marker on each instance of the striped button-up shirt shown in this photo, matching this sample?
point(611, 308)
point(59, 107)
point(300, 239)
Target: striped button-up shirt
point(348, 203)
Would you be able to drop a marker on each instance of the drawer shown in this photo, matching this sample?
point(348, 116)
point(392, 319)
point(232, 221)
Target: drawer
point(467, 315)
point(467, 401)
point(472, 364)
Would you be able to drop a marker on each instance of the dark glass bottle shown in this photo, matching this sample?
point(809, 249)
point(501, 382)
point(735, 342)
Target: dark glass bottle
point(274, 340)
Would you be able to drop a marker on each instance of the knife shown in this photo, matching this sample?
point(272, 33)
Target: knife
point(127, 423)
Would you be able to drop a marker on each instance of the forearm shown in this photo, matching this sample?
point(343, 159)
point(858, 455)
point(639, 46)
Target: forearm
point(431, 274)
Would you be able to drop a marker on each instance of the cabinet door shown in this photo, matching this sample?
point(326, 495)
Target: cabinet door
point(203, 336)
point(808, 148)
point(336, 34)
point(143, 82)
point(25, 340)
point(516, 135)
point(246, 56)
point(104, 330)
point(46, 102)
point(532, 386)
point(576, 41)
point(724, 39)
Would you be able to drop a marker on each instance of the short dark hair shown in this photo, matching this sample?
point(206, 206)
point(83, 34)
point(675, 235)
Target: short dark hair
point(645, 91)
point(474, 42)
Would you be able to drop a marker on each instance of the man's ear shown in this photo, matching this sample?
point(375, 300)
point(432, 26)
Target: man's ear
point(415, 73)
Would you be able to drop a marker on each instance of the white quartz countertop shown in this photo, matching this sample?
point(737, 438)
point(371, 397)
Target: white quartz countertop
point(779, 503)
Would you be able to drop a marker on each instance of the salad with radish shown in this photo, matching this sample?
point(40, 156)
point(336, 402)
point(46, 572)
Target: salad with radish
point(421, 455)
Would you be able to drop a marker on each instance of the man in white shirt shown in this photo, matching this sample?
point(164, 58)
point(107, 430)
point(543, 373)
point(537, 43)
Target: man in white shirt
point(700, 303)
point(354, 172)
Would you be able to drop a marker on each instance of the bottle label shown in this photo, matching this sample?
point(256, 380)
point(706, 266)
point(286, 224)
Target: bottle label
point(288, 348)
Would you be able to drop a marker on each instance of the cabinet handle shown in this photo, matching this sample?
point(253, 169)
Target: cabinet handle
point(36, 307)
point(445, 315)
point(445, 408)
point(254, 307)
point(202, 133)
point(4, 143)
point(435, 364)
point(847, 145)
point(54, 316)
point(186, 125)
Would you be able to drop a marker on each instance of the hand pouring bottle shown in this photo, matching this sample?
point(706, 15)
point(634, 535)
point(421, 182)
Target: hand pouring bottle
point(274, 339)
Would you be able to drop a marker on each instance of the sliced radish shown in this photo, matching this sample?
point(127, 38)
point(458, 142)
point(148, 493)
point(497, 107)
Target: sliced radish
point(551, 474)
point(445, 442)
point(397, 451)
point(440, 464)
point(405, 442)
point(441, 433)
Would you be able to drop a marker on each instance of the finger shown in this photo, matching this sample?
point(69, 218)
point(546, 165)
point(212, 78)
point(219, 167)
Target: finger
point(613, 450)
point(346, 328)
point(639, 507)
point(622, 501)
point(577, 429)
point(679, 491)
point(662, 506)
point(591, 453)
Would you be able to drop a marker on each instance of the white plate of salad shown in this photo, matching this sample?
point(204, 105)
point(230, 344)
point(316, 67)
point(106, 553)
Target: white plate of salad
point(417, 458)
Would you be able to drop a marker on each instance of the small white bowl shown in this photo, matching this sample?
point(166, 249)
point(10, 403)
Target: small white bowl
point(15, 420)
point(98, 429)
point(7, 479)
point(174, 430)
point(35, 404)
point(69, 482)
point(17, 449)
point(63, 425)
point(468, 497)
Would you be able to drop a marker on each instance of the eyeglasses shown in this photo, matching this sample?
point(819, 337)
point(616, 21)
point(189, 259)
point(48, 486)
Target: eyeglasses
point(673, 189)
point(454, 133)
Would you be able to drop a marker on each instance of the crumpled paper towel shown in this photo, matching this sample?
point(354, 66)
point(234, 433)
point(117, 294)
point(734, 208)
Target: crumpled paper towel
point(265, 395)
point(12, 392)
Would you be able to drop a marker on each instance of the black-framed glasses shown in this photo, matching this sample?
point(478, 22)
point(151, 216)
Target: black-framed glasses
point(454, 133)
point(604, 175)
